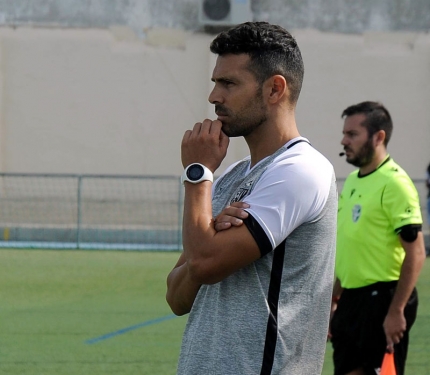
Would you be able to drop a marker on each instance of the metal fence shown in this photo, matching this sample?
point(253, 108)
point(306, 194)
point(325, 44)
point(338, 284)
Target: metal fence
point(90, 211)
point(97, 211)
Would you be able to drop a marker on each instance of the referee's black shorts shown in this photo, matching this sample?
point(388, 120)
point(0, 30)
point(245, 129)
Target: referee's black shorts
point(358, 336)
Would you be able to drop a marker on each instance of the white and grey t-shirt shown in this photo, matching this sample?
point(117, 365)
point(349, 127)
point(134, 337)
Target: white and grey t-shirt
point(271, 317)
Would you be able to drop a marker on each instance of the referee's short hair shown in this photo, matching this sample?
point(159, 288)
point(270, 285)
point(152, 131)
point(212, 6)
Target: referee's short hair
point(377, 118)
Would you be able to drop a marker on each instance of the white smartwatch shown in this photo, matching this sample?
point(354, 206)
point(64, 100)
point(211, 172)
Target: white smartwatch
point(196, 173)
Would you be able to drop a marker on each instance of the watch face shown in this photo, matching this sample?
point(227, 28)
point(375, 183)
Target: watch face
point(195, 172)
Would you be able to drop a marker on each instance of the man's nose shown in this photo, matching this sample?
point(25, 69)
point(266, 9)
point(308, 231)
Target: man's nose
point(215, 96)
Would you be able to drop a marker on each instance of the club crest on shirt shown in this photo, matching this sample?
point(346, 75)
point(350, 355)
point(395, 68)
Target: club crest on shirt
point(239, 195)
point(243, 191)
point(356, 213)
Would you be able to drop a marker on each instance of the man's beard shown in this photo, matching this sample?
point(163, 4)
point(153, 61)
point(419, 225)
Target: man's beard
point(242, 127)
point(247, 120)
point(364, 155)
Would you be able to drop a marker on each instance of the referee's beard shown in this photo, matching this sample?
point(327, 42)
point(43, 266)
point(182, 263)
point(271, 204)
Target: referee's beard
point(364, 156)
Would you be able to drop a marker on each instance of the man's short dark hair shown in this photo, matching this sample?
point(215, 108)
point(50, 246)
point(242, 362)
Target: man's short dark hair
point(377, 118)
point(271, 48)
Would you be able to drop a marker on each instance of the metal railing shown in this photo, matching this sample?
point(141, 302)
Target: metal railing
point(124, 212)
point(90, 211)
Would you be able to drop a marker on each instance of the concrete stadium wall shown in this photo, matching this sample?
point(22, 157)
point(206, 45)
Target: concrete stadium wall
point(106, 101)
point(326, 15)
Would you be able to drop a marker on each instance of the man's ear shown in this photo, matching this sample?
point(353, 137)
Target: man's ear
point(379, 137)
point(277, 88)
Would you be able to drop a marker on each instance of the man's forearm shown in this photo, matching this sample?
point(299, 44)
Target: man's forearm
point(337, 290)
point(212, 256)
point(182, 287)
point(395, 322)
point(198, 228)
point(181, 290)
point(411, 268)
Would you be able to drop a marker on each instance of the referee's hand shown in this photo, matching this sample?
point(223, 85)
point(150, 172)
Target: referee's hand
point(394, 326)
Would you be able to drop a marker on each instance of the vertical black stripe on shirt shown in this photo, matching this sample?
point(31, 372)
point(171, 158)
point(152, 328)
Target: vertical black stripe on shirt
point(265, 246)
point(274, 286)
point(273, 299)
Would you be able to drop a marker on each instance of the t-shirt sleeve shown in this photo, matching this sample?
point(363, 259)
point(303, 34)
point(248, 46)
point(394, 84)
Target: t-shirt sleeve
point(287, 195)
point(401, 204)
point(259, 235)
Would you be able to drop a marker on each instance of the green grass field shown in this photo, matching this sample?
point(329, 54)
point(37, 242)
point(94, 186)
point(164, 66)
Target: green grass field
point(104, 312)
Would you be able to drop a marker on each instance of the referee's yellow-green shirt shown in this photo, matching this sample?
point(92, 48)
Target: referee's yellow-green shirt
point(371, 210)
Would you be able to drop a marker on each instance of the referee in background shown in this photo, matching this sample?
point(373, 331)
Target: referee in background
point(380, 249)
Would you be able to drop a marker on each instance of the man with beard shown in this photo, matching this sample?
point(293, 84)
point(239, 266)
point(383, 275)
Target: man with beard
point(380, 249)
point(258, 294)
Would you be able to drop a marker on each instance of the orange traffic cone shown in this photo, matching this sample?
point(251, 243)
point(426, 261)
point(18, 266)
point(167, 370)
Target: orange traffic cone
point(388, 367)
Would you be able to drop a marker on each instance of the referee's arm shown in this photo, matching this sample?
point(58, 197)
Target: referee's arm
point(395, 323)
